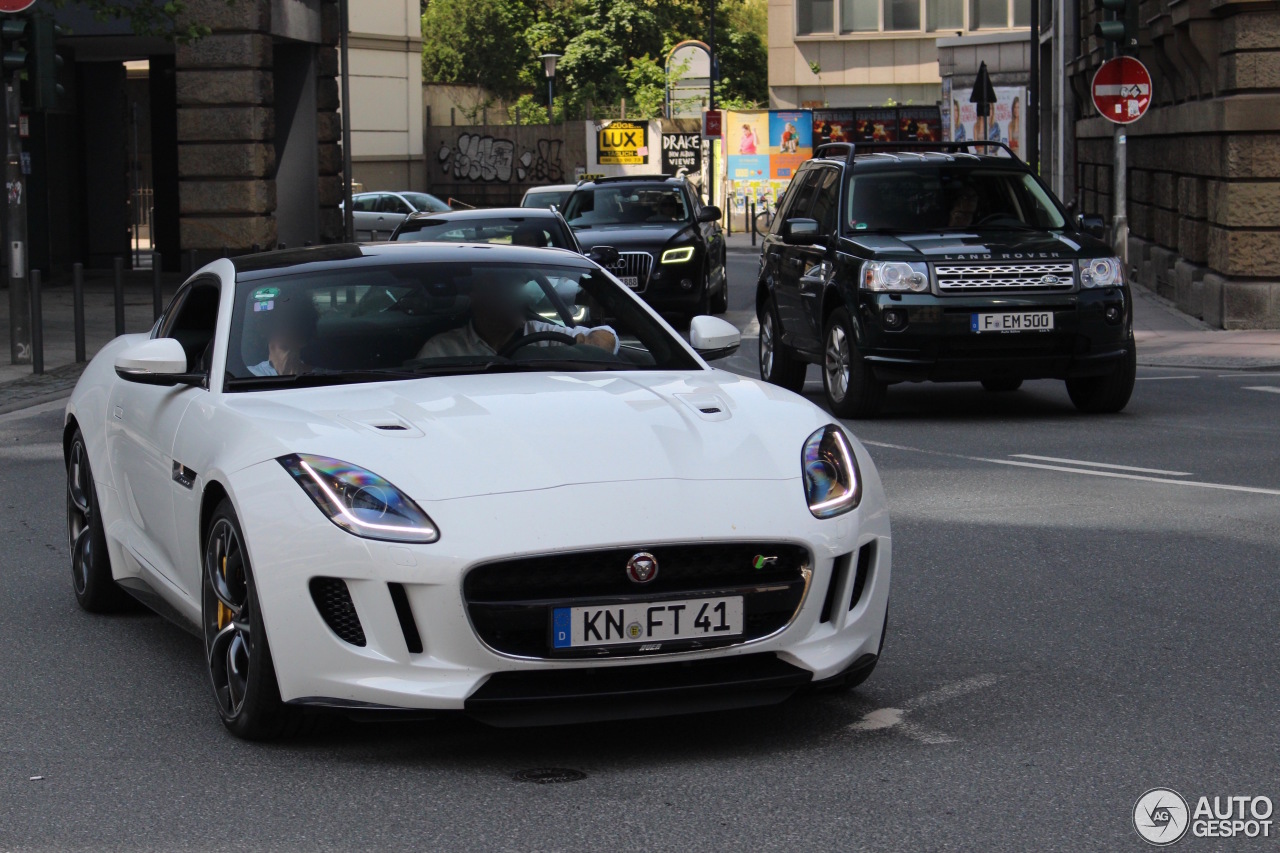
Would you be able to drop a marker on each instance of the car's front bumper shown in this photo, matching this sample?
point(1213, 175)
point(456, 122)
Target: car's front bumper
point(937, 343)
point(290, 543)
point(676, 287)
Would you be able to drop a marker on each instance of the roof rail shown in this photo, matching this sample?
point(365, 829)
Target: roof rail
point(620, 178)
point(852, 149)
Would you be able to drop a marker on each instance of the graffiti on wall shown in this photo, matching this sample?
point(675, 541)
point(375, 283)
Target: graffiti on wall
point(474, 157)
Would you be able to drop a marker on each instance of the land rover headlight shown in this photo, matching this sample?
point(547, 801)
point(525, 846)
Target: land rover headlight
point(1101, 272)
point(895, 276)
point(832, 481)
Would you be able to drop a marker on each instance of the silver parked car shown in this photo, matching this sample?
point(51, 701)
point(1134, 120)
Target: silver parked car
point(548, 196)
point(382, 212)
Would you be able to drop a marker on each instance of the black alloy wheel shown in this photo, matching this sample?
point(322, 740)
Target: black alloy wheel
point(778, 365)
point(852, 388)
point(240, 667)
point(95, 588)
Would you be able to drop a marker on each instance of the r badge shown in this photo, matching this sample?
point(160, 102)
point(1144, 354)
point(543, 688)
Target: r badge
point(642, 567)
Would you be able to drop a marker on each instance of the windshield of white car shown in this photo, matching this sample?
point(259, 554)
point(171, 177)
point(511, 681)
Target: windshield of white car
point(541, 232)
point(426, 202)
point(545, 199)
point(948, 198)
point(368, 322)
point(627, 204)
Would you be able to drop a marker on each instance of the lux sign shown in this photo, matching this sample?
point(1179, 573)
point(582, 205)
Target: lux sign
point(623, 143)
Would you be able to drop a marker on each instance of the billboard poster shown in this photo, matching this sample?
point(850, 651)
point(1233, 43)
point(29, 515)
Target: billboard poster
point(747, 141)
point(1004, 124)
point(875, 125)
point(919, 124)
point(623, 143)
point(790, 141)
point(832, 126)
point(681, 151)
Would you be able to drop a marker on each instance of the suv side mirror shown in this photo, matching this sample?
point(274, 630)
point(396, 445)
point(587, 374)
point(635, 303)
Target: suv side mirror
point(711, 213)
point(801, 232)
point(159, 361)
point(1094, 226)
point(605, 256)
point(713, 338)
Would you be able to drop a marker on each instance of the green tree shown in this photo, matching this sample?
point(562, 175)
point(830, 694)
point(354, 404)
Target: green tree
point(476, 42)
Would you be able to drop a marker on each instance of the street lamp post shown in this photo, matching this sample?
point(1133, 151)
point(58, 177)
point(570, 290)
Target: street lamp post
point(549, 65)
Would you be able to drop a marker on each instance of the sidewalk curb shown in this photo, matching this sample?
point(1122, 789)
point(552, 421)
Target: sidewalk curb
point(32, 402)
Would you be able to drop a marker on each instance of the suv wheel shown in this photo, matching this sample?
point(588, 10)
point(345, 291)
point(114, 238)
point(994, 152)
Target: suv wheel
point(1002, 385)
point(1106, 394)
point(778, 365)
point(852, 389)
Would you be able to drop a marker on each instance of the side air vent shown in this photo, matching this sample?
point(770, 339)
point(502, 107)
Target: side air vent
point(866, 554)
point(710, 410)
point(399, 598)
point(838, 572)
point(333, 600)
point(392, 427)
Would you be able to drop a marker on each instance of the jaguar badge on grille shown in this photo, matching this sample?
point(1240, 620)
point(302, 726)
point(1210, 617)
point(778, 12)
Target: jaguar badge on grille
point(642, 567)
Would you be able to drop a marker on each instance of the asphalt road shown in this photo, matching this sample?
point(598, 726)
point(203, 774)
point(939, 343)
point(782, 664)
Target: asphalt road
point(1063, 638)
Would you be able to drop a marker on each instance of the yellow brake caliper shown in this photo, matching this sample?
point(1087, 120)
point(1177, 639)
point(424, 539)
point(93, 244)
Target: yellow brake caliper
point(224, 612)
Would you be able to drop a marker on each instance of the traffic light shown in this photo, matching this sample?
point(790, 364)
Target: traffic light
point(1121, 25)
point(44, 65)
point(13, 34)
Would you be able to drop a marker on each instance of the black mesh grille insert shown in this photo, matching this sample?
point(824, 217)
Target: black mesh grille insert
point(333, 600)
point(509, 602)
point(865, 555)
point(399, 598)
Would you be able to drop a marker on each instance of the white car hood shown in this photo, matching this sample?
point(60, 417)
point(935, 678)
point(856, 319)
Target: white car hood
point(442, 438)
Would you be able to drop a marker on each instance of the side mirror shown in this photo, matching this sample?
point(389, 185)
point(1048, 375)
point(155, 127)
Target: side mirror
point(801, 232)
point(1094, 226)
point(711, 213)
point(159, 361)
point(605, 256)
point(714, 338)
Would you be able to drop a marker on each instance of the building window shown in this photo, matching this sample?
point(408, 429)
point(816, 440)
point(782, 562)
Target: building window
point(815, 16)
point(859, 16)
point(996, 14)
point(944, 15)
point(902, 14)
point(1022, 13)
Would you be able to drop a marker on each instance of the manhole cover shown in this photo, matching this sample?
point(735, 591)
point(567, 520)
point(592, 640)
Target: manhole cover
point(549, 775)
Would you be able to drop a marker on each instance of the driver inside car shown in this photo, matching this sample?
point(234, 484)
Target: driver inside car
point(289, 325)
point(498, 318)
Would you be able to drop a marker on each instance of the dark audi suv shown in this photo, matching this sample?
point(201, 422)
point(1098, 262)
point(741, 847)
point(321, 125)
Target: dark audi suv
point(670, 244)
point(905, 263)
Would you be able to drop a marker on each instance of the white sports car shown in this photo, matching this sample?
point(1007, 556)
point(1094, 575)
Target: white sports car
point(419, 476)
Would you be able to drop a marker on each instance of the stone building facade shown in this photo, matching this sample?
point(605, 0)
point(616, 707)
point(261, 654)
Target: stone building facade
point(1203, 164)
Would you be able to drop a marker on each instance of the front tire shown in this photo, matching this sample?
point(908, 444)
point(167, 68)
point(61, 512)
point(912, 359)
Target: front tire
point(1099, 395)
point(778, 365)
point(852, 388)
point(236, 649)
point(95, 588)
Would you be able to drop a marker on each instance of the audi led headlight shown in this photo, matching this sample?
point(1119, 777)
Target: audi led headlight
point(895, 276)
point(359, 501)
point(677, 256)
point(1101, 272)
point(832, 481)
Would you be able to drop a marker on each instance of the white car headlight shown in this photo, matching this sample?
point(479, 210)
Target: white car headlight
point(1101, 272)
point(360, 501)
point(677, 256)
point(832, 481)
point(895, 276)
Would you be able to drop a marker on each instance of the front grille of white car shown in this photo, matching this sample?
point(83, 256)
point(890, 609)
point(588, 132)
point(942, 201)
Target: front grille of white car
point(509, 601)
point(985, 278)
point(635, 265)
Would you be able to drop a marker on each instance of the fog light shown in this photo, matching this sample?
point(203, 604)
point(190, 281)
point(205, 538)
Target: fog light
point(686, 283)
point(894, 319)
point(1112, 314)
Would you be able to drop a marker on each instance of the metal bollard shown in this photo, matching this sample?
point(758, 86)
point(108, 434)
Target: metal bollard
point(751, 211)
point(77, 308)
point(157, 286)
point(117, 267)
point(373, 235)
point(37, 324)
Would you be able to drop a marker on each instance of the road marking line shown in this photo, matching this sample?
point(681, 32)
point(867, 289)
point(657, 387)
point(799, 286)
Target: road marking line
point(1272, 374)
point(1102, 465)
point(1158, 378)
point(1113, 474)
point(1268, 388)
point(896, 718)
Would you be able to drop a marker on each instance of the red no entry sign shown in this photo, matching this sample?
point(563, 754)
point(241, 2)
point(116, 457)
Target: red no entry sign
point(1122, 90)
point(11, 6)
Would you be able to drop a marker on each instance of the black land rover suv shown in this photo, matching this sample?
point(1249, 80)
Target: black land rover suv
point(904, 262)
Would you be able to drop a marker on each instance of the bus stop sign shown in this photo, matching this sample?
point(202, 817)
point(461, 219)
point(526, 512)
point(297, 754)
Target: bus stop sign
point(1122, 90)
